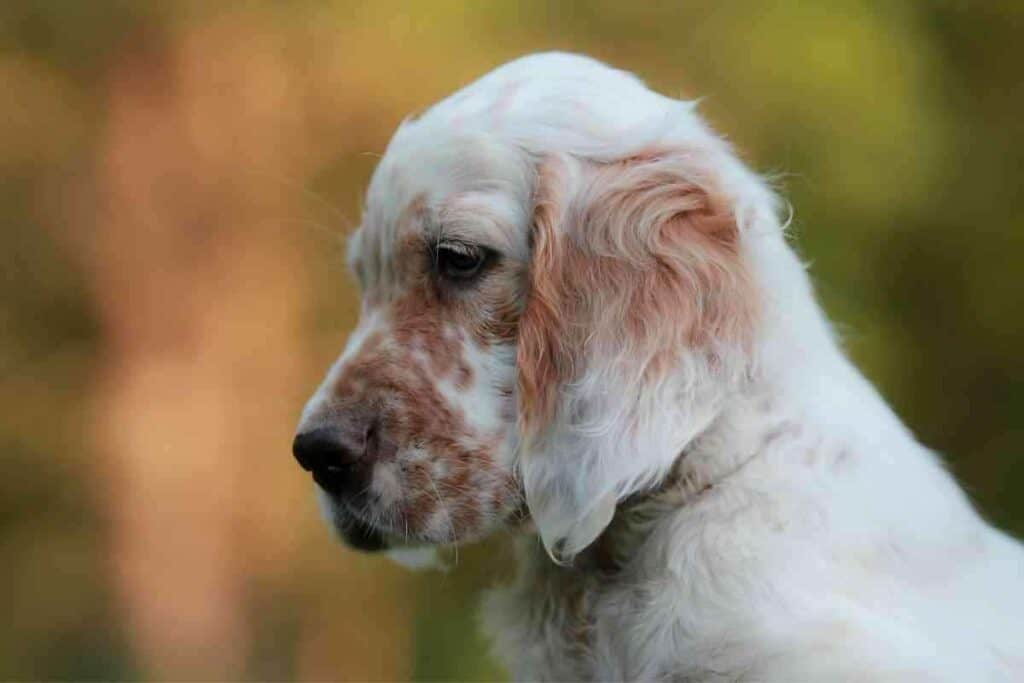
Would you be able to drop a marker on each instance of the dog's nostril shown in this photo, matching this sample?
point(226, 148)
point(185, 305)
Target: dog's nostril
point(324, 449)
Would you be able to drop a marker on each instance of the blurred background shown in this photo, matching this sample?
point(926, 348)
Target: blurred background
point(176, 181)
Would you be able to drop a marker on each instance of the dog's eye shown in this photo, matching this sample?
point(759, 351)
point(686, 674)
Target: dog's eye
point(458, 261)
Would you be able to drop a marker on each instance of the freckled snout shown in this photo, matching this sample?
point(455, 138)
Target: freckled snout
point(339, 456)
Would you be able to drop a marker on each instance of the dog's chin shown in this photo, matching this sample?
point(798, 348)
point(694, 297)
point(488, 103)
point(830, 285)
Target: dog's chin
point(354, 532)
point(360, 536)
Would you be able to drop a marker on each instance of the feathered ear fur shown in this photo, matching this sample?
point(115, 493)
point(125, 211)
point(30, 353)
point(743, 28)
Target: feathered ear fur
point(635, 326)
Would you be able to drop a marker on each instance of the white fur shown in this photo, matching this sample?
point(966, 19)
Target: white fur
point(804, 534)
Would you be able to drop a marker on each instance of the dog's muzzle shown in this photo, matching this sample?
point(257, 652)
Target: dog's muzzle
point(340, 458)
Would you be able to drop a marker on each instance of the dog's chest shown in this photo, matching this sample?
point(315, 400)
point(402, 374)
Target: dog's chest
point(557, 624)
point(547, 630)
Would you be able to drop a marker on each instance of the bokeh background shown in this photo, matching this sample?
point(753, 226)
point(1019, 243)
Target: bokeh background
point(176, 181)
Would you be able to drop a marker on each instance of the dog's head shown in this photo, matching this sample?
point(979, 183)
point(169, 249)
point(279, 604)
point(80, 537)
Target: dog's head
point(556, 298)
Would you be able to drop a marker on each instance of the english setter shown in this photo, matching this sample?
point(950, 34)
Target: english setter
point(581, 320)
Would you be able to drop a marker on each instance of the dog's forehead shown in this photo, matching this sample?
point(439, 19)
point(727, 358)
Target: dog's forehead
point(436, 182)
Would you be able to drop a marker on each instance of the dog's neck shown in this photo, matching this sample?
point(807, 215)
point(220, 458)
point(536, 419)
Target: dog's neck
point(752, 422)
point(552, 605)
point(819, 405)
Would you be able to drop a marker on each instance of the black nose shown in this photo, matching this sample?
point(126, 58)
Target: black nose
point(326, 449)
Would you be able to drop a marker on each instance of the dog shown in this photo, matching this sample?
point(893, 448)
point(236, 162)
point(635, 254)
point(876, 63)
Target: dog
point(581, 321)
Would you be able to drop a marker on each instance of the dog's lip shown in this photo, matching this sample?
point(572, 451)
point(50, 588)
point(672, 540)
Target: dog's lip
point(329, 478)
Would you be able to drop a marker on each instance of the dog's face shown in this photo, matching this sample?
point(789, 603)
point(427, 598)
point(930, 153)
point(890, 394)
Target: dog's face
point(555, 301)
point(412, 435)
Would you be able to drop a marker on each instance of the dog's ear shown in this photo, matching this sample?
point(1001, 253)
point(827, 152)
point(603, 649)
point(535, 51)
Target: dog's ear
point(638, 308)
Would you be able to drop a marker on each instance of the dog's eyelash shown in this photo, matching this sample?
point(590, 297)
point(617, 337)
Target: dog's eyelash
point(459, 247)
point(459, 261)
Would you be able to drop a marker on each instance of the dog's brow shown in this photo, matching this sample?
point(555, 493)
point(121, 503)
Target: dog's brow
point(478, 221)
